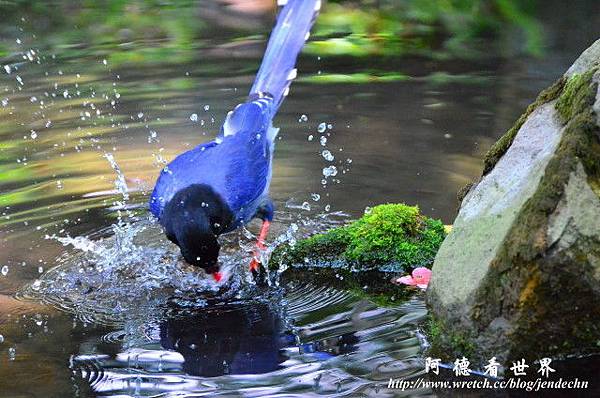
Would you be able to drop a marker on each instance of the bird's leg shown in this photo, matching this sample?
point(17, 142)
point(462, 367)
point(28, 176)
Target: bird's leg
point(265, 212)
point(260, 245)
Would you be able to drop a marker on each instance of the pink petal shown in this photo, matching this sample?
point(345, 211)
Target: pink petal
point(407, 280)
point(422, 275)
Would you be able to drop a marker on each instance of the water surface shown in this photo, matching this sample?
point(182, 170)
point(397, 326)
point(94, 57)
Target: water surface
point(94, 301)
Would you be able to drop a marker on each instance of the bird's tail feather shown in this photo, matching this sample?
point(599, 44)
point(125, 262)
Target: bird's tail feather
point(289, 35)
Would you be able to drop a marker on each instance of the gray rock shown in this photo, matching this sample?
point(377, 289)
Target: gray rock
point(519, 275)
point(587, 60)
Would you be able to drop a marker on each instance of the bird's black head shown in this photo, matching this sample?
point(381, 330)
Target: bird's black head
point(193, 219)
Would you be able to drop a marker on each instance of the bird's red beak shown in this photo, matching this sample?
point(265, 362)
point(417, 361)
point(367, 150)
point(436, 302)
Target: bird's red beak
point(217, 276)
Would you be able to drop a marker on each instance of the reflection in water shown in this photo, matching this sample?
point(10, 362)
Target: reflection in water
point(227, 339)
point(338, 345)
point(310, 340)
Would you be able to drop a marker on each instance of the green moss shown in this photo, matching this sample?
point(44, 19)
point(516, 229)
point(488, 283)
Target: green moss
point(501, 146)
point(448, 343)
point(391, 237)
point(575, 96)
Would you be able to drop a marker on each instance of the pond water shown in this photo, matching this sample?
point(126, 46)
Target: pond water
point(95, 302)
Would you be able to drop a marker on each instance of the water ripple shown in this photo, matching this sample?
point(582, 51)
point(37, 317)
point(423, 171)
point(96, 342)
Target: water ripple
point(175, 333)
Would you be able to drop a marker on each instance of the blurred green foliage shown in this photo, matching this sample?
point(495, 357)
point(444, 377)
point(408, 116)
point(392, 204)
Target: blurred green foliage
point(139, 31)
point(451, 27)
point(131, 31)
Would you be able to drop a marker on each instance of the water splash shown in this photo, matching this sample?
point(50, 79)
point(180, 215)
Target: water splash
point(131, 268)
point(120, 182)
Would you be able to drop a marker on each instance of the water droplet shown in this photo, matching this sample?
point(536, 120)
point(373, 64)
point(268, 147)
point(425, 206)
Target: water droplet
point(36, 285)
point(12, 353)
point(1, 339)
point(303, 118)
point(140, 115)
point(194, 117)
point(5, 270)
point(327, 155)
point(305, 206)
point(310, 137)
point(18, 41)
point(105, 62)
point(7, 69)
point(206, 107)
point(327, 207)
point(330, 171)
point(59, 184)
point(323, 141)
point(315, 196)
point(33, 135)
point(322, 127)
point(41, 269)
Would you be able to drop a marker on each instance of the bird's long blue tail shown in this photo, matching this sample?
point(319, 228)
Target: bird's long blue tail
point(278, 67)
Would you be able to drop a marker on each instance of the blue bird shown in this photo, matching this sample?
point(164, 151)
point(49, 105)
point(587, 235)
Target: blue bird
point(221, 185)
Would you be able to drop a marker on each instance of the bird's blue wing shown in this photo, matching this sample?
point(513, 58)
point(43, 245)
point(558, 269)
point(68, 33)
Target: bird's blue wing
point(237, 165)
point(174, 176)
point(248, 175)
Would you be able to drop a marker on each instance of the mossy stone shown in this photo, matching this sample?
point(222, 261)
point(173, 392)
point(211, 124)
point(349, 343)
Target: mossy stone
point(362, 256)
point(388, 238)
point(536, 258)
